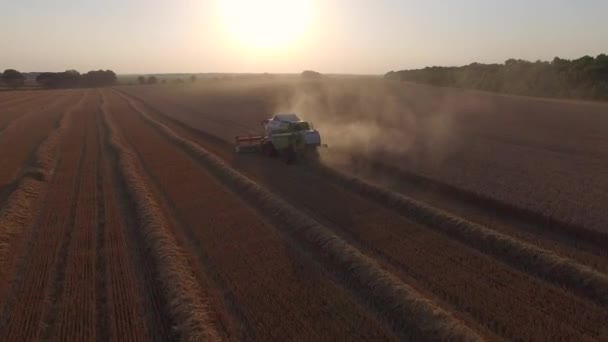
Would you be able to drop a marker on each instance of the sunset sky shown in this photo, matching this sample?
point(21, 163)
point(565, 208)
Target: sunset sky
point(333, 36)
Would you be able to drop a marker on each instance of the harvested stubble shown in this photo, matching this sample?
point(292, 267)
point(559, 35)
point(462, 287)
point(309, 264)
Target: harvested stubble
point(269, 288)
point(402, 305)
point(74, 312)
point(522, 255)
point(24, 134)
point(519, 150)
point(18, 211)
point(187, 303)
point(118, 292)
point(25, 309)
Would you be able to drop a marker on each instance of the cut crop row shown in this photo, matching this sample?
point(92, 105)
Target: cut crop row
point(580, 243)
point(23, 202)
point(460, 276)
point(73, 313)
point(121, 297)
point(399, 303)
point(25, 134)
point(10, 113)
point(273, 289)
point(17, 98)
point(523, 151)
point(520, 254)
point(187, 302)
point(25, 311)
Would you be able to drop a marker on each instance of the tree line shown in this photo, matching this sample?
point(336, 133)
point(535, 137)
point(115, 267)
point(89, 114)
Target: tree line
point(12, 78)
point(72, 78)
point(154, 80)
point(585, 77)
point(67, 79)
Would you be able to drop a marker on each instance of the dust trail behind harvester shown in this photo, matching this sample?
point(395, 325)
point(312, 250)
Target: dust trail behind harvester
point(375, 119)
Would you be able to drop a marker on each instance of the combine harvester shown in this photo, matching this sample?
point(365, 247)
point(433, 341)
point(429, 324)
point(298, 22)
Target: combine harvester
point(286, 137)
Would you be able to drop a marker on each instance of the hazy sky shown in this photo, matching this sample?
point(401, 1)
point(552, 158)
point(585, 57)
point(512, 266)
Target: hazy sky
point(331, 36)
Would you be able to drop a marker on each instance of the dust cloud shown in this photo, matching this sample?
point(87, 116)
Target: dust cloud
point(376, 119)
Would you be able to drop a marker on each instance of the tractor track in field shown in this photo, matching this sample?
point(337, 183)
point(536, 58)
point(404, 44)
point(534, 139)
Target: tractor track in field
point(596, 292)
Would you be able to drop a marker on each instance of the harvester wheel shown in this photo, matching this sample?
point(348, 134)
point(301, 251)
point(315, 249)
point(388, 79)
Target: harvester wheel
point(288, 155)
point(268, 149)
point(312, 153)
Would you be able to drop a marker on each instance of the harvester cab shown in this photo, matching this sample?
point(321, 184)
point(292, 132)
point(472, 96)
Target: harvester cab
point(286, 136)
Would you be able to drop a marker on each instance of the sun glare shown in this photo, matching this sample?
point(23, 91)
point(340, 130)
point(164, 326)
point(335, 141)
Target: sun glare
point(266, 24)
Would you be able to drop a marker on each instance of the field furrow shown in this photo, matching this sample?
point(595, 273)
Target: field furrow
point(584, 245)
point(23, 136)
point(25, 197)
point(25, 311)
point(120, 296)
point(16, 98)
point(410, 314)
point(134, 290)
point(472, 283)
point(435, 214)
point(296, 300)
point(74, 312)
point(526, 152)
point(13, 111)
point(185, 300)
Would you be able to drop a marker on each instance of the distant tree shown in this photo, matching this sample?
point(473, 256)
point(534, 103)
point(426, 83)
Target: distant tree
point(66, 79)
point(13, 78)
point(309, 74)
point(163, 81)
point(46, 79)
point(141, 80)
point(193, 78)
point(99, 78)
point(70, 78)
point(152, 80)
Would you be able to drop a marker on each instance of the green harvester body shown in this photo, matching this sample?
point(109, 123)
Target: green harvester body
point(287, 136)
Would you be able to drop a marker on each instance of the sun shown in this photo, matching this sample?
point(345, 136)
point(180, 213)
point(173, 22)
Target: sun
point(266, 24)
